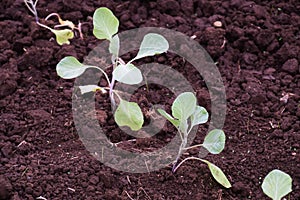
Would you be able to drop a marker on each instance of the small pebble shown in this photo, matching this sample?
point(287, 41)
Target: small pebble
point(218, 24)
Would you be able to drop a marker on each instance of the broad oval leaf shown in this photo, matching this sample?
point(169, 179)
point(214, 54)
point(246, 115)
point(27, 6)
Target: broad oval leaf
point(277, 184)
point(63, 36)
point(151, 45)
point(69, 67)
point(129, 114)
point(175, 122)
point(128, 74)
point(200, 116)
point(214, 142)
point(105, 23)
point(91, 88)
point(184, 106)
point(218, 174)
point(114, 45)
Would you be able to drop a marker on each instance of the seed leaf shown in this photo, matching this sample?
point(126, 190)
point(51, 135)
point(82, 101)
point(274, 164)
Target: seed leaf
point(218, 174)
point(63, 36)
point(184, 106)
point(105, 23)
point(214, 142)
point(129, 114)
point(151, 45)
point(69, 67)
point(175, 122)
point(277, 184)
point(90, 88)
point(128, 74)
point(200, 116)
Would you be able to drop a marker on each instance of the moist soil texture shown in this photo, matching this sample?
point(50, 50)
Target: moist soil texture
point(256, 49)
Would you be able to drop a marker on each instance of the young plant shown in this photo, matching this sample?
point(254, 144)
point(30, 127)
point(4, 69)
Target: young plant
point(185, 115)
point(62, 36)
point(277, 184)
point(106, 27)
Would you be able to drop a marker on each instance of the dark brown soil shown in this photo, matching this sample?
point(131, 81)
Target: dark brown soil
point(41, 154)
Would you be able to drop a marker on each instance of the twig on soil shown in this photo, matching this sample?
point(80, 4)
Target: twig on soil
point(71, 189)
point(128, 180)
point(24, 172)
point(220, 194)
point(41, 198)
point(224, 42)
point(147, 166)
point(21, 143)
point(138, 192)
point(129, 196)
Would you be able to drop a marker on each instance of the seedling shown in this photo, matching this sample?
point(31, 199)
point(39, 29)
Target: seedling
point(185, 115)
point(106, 27)
point(63, 35)
point(277, 184)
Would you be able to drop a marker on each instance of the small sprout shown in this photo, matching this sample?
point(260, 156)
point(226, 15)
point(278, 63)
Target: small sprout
point(277, 184)
point(106, 27)
point(185, 115)
point(62, 36)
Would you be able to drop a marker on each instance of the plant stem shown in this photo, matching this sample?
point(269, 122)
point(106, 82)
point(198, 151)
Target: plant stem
point(43, 25)
point(111, 95)
point(189, 158)
point(115, 92)
point(106, 77)
point(32, 8)
point(181, 149)
point(195, 146)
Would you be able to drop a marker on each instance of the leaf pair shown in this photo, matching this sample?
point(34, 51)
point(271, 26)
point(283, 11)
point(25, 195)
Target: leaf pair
point(106, 27)
point(185, 109)
point(152, 44)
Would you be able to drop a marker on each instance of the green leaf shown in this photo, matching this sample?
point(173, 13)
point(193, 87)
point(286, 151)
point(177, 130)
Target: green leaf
point(151, 45)
point(69, 67)
point(63, 36)
point(200, 116)
point(105, 23)
point(128, 74)
point(114, 45)
point(175, 122)
point(277, 184)
point(214, 142)
point(91, 88)
point(218, 174)
point(129, 114)
point(184, 106)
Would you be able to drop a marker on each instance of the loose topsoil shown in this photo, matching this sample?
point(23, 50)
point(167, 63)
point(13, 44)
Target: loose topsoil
point(257, 51)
